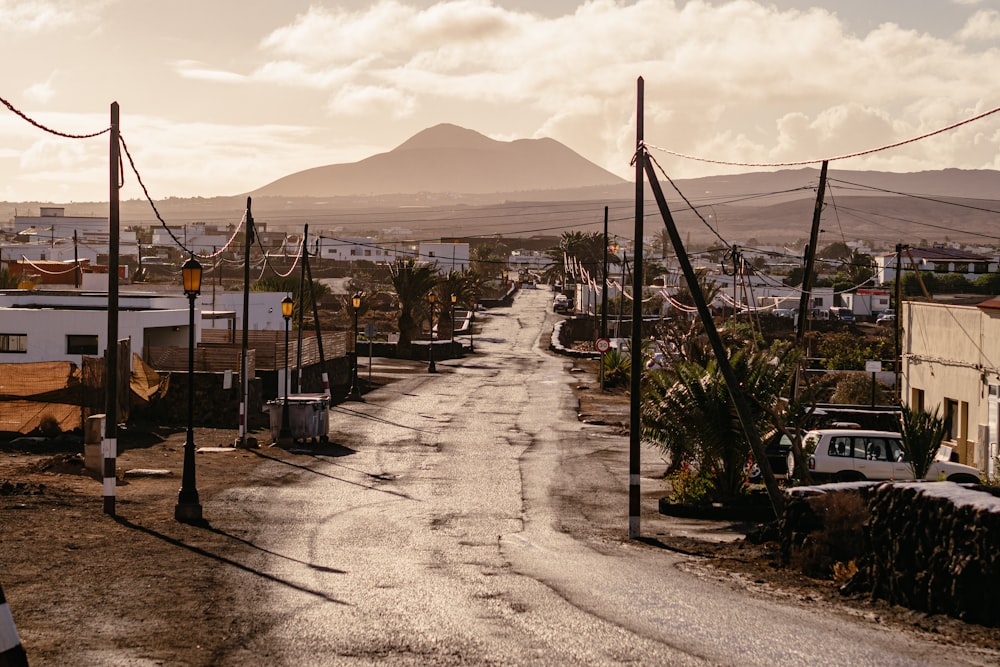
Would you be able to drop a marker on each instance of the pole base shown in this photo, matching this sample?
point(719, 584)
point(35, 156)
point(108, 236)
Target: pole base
point(188, 512)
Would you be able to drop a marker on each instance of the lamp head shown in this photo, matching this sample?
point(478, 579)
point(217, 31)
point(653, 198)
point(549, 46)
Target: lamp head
point(356, 300)
point(287, 305)
point(454, 298)
point(191, 273)
point(431, 297)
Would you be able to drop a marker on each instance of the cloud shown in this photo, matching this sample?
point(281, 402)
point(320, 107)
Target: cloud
point(37, 16)
point(983, 25)
point(191, 69)
point(42, 91)
point(372, 101)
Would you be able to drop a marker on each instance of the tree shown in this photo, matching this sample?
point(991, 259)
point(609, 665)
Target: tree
point(587, 248)
point(412, 282)
point(921, 433)
point(688, 413)
point(290, 284)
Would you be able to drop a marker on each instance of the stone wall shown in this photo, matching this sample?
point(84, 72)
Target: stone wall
point(935, 547)
point(929, 546)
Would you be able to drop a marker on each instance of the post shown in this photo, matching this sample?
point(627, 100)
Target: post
point(188, 509)
point(431, 368)
point(897, 337)
point(243, 441)
point(454, 299)
point(285, 432)
point(109, 446)
point(635, 423)
point(604, 294)
point(355, 391)
point(319, 330)
point(472, 329)
point(302, 311)
point(11, 651)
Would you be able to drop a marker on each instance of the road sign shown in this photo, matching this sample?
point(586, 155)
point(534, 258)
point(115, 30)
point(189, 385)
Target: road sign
point(603, 344)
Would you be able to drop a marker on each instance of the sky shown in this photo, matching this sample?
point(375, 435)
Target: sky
point(219, 97)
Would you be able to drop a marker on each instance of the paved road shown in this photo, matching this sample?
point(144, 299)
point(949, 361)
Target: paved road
point(469, 518)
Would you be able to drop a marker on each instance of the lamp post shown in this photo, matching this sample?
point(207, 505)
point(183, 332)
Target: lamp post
point(431, 368)
point(355, 391)
point(285, 434)
point(472, 329)
point(188, 507)
point(454, 298)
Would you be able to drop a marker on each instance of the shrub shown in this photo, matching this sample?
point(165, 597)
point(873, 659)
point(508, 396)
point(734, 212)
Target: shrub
point(839, 540)
point(688, 485)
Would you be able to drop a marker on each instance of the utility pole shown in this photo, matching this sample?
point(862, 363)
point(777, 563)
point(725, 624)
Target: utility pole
point(302, 311)
point(810, 268)
point(898, 328)
point(604, 278)
point(244, 365)
point(76, 263)
point(109, 445)
point(635, 420)
point(721, 355)
point(319, 332)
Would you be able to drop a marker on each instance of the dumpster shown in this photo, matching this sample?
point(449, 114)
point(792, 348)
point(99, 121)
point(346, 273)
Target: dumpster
point(308, 416)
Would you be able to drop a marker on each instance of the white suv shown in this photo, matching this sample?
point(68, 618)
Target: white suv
point(847, 455)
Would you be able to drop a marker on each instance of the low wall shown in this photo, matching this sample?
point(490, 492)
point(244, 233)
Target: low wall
point(929, 546)
point(935, 547)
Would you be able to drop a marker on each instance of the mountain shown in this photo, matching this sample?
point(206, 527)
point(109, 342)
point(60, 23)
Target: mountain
point(449, 159)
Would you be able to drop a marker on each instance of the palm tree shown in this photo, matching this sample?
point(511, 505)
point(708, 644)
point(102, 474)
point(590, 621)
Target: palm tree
point(688, 413)
point(921, 433)
point(412, 282)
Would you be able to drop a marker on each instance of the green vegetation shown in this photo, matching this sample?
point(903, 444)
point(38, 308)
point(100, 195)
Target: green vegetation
point(922, 433)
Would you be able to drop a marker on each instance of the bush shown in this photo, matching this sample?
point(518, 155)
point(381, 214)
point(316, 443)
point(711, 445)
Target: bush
point(689, 486)
point(839, 542)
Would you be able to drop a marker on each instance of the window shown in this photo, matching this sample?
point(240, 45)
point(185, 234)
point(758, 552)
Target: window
point(17, 343)
point(81, 344)
point(951, 415)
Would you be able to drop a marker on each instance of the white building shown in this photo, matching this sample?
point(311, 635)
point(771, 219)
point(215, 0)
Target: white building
point(53, 223)
point(198, 237)
point(446, 256)
point(354, 249)
point(66, 326)
point(951, 360)
point(934, 260)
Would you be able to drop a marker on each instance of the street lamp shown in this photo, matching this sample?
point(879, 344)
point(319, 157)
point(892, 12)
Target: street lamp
point(431, 368)
point(454, 298)
point(355, 391)
point(285, 433)
point(188, 507)
point(472, 329)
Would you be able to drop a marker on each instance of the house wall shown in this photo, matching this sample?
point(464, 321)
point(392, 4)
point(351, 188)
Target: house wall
point(951, 354)
point(447, 256)
point(264, 310)
point(47, 330)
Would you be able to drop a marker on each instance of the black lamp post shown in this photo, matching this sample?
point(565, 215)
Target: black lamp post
point(355, 391)
point(188, 507)
point(431, 368)
point(285, 434)
point(454, 298)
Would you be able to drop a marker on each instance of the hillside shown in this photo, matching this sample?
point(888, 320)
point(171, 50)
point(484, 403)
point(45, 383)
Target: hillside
point(448, 159)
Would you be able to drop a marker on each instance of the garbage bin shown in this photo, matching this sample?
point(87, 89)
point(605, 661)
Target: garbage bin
point(308, 416)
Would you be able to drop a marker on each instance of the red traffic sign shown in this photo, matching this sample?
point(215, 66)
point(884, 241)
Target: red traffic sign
point(603, 344)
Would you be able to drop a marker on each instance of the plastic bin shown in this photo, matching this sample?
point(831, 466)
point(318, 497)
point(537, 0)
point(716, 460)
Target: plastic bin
point(308, 416)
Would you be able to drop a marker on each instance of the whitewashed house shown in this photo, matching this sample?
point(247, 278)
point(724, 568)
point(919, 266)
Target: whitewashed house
point(951, 360)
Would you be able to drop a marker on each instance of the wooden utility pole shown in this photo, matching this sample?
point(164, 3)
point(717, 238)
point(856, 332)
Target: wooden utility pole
point(244, 365)
point(635, 420)
point(810, 268)
point(109, 445)
point(721, 355)
point(319, 331)
point(898, 328)
point(302, 310)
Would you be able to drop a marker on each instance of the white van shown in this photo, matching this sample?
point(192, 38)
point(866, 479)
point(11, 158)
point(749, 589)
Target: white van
point(848, 455)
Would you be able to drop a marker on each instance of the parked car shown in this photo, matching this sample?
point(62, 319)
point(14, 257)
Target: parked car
point(885, 318)
point(841, 313)
point(561, 303)
point(777, 448)
point(846, 455)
